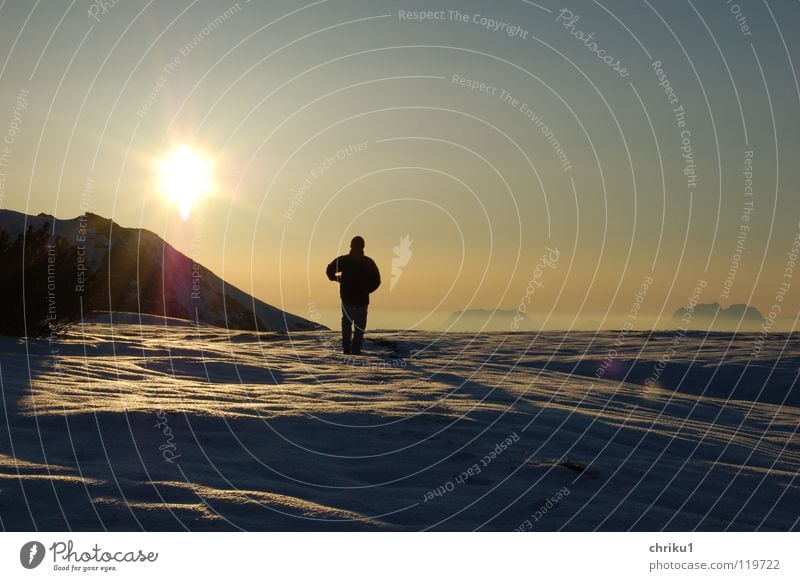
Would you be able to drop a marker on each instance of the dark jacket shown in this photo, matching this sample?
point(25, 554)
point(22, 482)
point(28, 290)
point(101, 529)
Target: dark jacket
point(359, 277)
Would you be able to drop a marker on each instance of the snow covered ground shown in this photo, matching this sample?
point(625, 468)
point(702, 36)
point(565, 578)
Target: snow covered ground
point(164, 425)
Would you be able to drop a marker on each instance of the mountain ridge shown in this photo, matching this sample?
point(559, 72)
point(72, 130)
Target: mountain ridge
point(739, 317)
point(62, 269)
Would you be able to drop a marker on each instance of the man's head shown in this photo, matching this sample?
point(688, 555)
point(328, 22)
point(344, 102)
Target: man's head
point(357, 244)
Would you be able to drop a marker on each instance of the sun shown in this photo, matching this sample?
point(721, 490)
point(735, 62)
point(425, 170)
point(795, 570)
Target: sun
point(185, 177)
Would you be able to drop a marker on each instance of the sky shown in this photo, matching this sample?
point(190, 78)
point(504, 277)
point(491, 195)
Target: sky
point(588, 164)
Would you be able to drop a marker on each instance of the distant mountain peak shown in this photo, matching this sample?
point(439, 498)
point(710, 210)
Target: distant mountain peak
point(715, 317)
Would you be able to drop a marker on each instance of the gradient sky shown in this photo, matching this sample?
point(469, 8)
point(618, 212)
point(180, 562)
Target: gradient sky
point(270, 92)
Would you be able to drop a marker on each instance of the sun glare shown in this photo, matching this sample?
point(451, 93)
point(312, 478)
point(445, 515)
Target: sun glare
point(185, 177)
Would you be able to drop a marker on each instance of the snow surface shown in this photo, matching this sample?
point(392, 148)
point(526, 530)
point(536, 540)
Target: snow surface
point(131, 423)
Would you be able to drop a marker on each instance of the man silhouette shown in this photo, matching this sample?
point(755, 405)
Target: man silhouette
point(357, 276)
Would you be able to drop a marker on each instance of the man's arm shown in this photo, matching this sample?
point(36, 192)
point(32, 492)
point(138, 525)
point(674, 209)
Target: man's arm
point(332, 269)
point(376, 277)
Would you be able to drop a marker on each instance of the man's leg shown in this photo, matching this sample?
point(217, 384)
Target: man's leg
point(360, 322)
point(347, 328)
